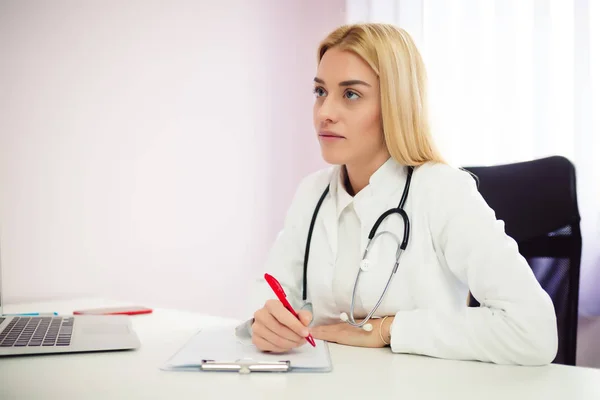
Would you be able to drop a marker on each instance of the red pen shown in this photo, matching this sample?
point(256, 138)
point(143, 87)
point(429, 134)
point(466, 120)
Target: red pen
point(282, 297)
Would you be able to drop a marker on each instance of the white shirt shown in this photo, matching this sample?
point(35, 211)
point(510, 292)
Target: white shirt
point(346, 265)
point(455, 245)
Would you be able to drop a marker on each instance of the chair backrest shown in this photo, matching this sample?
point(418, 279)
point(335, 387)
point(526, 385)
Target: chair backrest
point(537, 201)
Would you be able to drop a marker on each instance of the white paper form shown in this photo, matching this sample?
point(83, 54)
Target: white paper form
point(221, 344)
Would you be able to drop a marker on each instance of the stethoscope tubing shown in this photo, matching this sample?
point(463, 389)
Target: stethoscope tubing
point(373, 234)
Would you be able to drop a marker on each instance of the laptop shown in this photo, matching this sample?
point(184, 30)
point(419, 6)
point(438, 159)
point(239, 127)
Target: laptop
point(20, 335)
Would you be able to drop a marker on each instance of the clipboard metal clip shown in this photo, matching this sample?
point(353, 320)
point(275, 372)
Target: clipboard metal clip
point(246, 366)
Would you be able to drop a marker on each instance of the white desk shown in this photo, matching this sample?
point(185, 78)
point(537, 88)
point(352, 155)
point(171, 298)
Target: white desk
point(370, 373)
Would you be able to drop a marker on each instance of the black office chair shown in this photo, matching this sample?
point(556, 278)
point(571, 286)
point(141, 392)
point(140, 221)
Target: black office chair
point(537, 201)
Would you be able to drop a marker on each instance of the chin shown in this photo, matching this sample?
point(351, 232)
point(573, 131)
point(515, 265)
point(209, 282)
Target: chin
point(335, 158)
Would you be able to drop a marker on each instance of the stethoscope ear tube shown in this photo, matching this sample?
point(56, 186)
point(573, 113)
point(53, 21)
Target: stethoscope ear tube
point(383, 216)
point(406, 228)
point(309, 240)
point(380, 220)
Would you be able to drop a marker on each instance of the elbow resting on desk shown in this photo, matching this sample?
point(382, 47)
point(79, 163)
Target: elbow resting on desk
point(525, 331)
point(522, 337)
point(514, 336)
point(538, 344)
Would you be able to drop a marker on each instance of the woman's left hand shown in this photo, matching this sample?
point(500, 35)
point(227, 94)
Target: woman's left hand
point(344, 333)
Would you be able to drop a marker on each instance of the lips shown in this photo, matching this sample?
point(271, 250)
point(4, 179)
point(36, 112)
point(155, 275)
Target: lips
point(330, 134)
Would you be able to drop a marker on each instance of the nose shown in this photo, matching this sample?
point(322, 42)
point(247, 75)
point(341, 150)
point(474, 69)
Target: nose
point(327, 110)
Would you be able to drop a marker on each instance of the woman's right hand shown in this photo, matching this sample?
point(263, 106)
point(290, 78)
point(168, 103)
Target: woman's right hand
point(276, 330)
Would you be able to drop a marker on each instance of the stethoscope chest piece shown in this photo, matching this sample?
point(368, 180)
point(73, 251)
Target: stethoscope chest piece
point(307, 306)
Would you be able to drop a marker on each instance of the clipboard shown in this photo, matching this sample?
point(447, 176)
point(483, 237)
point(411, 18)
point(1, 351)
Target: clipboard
point(219, 349)
point(246, 366)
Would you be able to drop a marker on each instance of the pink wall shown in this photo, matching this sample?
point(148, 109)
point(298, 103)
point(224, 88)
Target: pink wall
point(149, 149)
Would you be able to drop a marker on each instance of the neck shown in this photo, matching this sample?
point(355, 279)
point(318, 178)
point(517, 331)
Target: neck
point(357, 175)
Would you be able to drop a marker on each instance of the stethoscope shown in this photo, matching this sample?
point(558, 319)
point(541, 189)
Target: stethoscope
point(364, 264)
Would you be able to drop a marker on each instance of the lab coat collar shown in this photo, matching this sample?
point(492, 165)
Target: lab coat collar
point(386, 179)
point(343, 198)
point(383, 182)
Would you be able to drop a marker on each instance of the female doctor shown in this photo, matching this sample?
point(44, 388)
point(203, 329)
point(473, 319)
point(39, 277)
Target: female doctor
point(405, 282)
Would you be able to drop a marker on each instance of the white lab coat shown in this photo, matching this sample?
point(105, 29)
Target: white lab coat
point(456, 245)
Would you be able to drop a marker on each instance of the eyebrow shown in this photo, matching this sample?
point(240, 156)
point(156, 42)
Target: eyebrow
point(345, 83)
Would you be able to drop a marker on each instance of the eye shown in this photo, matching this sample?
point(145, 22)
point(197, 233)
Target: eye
point(350, 95)
point(319, 91)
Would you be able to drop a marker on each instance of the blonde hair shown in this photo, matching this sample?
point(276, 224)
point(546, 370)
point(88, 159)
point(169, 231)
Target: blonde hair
point(393, 56)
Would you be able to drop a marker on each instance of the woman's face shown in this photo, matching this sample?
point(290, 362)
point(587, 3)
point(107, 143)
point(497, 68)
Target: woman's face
point(347, 110)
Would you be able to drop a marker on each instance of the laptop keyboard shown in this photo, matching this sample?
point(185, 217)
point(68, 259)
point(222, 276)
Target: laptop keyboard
point(37, 331)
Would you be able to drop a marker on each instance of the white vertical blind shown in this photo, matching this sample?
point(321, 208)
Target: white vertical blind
point(513, 80)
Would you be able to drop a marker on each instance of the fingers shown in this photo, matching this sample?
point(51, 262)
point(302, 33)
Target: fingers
point(271, 325)
point(286, 318)
point(264, 345)
point(270, 331)
point(275, 340)
point(305, 317)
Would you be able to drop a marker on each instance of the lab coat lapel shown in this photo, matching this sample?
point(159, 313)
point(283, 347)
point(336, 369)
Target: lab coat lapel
point(330, 221)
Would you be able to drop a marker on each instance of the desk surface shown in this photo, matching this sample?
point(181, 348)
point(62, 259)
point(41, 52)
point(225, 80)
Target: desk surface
point(370, 373)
